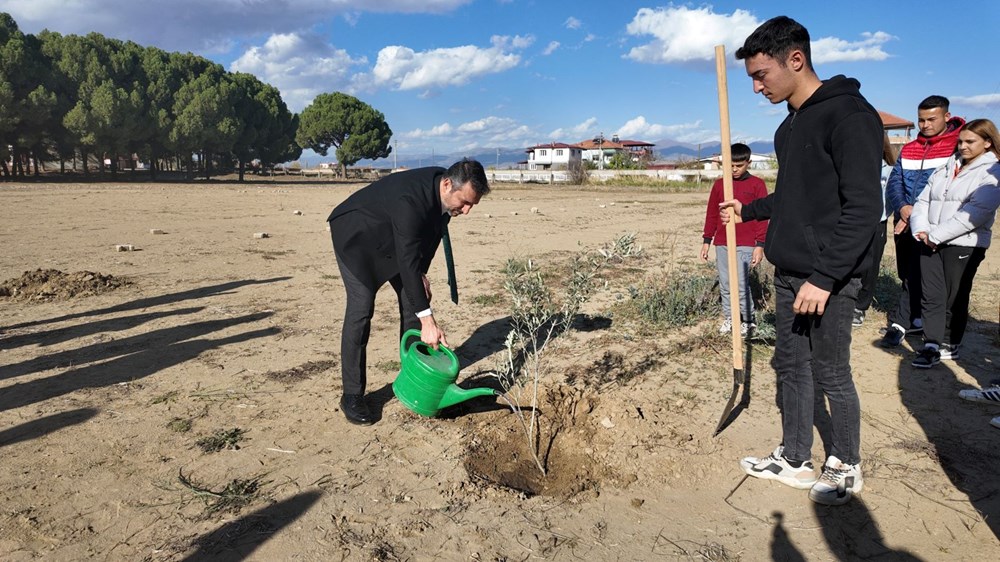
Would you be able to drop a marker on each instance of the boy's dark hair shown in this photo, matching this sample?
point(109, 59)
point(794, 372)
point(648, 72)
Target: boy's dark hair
point(776, 38)
point(933, 102)
point(740, 152)
point(468, 170)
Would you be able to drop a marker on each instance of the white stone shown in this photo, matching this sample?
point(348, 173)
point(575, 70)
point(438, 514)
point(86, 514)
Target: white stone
point(602, 206)
point(124, 248)
point(513, 213)
point(296, 212)
point(487, 215)
point(261, 235)
point(607, 423)
point(534, 210)
point(156, 231)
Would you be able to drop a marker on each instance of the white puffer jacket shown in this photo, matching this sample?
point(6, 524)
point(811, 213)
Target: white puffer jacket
point(958, 207)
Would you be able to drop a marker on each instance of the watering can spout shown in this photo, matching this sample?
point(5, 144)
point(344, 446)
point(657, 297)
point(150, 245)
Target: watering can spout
point(455, 394)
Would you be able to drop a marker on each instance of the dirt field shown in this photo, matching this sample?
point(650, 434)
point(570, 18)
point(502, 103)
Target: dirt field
point(180, 401)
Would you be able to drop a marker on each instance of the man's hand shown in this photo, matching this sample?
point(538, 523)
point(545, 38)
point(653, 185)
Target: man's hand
point(757, 256)
point(704, 251)
point(900, 227)
point(431, 334)
point(725, 213)
point(810, 300)
point(427, 287)
point(905, 211)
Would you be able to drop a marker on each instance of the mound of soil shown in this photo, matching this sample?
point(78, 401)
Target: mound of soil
point(54, 285)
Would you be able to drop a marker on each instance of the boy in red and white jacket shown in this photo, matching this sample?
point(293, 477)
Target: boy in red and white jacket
point(749, 238)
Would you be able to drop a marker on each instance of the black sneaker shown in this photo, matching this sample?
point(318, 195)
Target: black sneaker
point(858, 319)
point(927, 358)
point(893, 336)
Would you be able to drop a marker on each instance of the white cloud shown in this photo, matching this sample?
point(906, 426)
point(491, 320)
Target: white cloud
point(982, 100)
point(196, 25)
point(575, 133)
point(681, 34)
point(640, 129)
point(551, 48)
point(684, 34)
point(833, 49)
point(490, 131)
point(406, 69)
point(590, 37)
point(572, 23)
point(300, 65)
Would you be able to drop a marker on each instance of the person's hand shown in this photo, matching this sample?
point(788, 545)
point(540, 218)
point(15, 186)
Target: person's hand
point(810, 300)
point(900, 227)
point(725, 213)
point(923, 237)
point(704, 251)
point(427, 287)
point(757, 256)
point(905, 211)
point(431, 333)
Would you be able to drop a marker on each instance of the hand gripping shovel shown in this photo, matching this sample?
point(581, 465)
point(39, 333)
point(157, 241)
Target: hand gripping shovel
point(739, 377)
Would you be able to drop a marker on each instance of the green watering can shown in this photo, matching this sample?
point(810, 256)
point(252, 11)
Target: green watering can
point(426, 381)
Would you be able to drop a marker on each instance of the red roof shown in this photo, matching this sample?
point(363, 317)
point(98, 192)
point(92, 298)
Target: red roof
point(890, 121)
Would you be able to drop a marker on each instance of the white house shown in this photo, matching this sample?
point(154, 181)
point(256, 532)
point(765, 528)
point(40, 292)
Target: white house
point(554, 156)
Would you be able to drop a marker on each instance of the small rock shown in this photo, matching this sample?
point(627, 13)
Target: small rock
point(607, 423)
point(124, 248)
point(602, 206)
point(534, 210)
point(296, 212)
point(637, 502)
point(487, 215)
point(156, 231)
point(612, 203)
point(513, 213)
point(261, 235)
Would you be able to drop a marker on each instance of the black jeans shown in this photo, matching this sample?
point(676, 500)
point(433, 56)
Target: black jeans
point(908, 268)
point(813, 354)
point(947, 275)
point(870, 278)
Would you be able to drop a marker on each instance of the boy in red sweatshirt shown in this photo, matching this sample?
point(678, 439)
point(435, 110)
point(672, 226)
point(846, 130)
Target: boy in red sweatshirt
point(749, 238)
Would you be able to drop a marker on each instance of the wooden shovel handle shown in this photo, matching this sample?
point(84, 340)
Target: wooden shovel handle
point(727, 190)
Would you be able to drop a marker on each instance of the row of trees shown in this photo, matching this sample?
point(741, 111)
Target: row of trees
point(69, 97)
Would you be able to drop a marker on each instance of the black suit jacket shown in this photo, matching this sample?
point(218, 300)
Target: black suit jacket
point(392, 227)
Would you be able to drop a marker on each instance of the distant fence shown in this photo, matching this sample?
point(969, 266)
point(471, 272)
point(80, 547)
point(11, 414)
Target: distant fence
point(563, 176)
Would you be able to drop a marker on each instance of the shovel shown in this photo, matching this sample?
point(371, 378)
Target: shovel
point(739, 377)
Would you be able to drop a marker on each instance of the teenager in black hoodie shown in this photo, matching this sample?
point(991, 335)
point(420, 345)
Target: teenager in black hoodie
point(823, 214)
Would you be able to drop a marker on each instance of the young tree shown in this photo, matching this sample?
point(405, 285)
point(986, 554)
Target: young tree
point(338, 120)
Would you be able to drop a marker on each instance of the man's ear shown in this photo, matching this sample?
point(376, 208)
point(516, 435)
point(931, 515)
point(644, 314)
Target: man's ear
point(796, 60)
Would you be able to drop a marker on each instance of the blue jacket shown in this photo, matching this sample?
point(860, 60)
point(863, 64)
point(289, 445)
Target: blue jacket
point(917, 161)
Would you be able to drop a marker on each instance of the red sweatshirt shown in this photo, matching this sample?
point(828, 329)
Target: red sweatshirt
point(746, 188)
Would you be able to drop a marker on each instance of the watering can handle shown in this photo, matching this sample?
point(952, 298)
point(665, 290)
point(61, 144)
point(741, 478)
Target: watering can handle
point(403, 348)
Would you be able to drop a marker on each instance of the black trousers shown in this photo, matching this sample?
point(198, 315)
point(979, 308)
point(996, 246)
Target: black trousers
point(947, 275)
point(358, 324)
point(908, 268)
point(870, 278)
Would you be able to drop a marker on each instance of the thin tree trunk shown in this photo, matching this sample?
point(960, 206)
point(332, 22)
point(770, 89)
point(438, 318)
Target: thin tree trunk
point(241, 170)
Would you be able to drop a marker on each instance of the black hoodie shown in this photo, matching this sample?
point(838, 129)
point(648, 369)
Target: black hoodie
point(828, 200)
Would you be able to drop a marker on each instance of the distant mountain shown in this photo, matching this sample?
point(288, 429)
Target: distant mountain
point(666, 149)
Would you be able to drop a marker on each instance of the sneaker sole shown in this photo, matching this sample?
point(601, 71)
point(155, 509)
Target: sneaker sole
point(830, 498)
point(922, 366)
point(748, 467)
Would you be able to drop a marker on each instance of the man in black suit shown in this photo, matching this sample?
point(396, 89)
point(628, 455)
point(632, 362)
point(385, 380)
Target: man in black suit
point(390, 231)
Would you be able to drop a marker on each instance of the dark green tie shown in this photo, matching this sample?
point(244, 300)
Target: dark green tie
point(449, 259)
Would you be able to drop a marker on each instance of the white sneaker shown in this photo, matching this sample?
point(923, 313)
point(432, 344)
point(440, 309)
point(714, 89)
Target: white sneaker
point(988, 395)
point(839, 482)
point(775, 467)
point(726, 326)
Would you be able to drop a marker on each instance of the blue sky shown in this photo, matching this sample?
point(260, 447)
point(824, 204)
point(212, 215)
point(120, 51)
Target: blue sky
point(465, 76)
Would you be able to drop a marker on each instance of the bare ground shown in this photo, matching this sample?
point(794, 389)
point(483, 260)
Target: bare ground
point(203, 330)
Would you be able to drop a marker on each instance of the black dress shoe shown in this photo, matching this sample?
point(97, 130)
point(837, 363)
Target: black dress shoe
point(355, 409)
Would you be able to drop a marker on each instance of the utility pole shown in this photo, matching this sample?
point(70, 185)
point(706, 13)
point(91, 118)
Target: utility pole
point(498, 160)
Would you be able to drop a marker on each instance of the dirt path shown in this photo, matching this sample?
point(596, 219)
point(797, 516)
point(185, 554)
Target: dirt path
point(109, 400)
